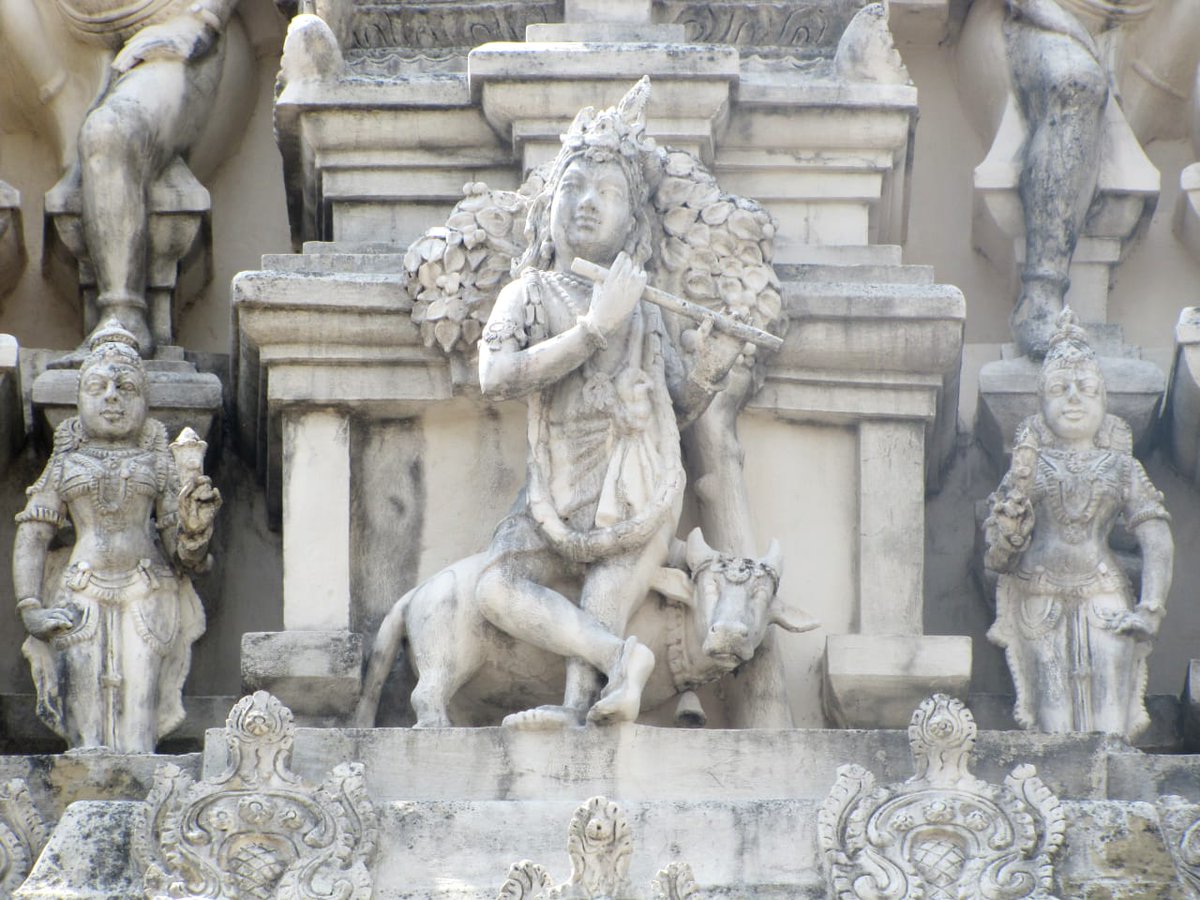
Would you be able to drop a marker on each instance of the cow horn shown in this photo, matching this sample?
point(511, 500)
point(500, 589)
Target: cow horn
point(774, 557)
point(698, 551)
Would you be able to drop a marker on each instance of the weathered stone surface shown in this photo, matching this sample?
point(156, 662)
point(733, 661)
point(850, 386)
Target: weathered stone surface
point(89, 855)
point(1116, 851)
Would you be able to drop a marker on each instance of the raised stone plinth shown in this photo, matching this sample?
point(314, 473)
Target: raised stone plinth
point(315, 673)
point(875, 680)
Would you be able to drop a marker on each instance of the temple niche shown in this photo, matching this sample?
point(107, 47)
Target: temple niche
point(627, 418)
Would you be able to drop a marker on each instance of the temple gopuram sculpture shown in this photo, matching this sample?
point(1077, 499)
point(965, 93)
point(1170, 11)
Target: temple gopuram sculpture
point(609, 383)
point(112, 619)
point(1075, 636)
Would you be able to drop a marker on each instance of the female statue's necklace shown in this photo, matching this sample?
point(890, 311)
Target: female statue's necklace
point(110, 487)
point(1074, 498)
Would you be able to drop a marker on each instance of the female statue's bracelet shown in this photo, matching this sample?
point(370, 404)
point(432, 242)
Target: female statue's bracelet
point(28, 603)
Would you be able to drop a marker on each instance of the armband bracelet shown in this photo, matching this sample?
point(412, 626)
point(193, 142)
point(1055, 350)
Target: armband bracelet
point(28, 603)
point(595, 336)
point(40, 514)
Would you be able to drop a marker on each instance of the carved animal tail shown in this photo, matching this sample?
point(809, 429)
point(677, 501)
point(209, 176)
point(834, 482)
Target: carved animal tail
point(383, 656)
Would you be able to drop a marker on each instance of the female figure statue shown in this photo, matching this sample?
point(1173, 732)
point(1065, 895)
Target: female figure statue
point(605, 385)
point(111, 624)
point(1075, 640)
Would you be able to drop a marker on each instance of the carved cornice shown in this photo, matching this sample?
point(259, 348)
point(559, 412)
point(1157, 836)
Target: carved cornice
point(807, 27)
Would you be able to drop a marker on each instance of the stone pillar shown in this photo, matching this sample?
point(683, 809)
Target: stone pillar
point(872, 677)
point(891, 526)
point(316, 488)
point(314, 665)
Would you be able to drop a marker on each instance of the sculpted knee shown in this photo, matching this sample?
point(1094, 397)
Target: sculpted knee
point(1082, 88)
point(108, 133)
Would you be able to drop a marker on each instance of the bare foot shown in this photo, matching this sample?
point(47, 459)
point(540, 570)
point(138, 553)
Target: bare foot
point(544, 718)
point(621, 700)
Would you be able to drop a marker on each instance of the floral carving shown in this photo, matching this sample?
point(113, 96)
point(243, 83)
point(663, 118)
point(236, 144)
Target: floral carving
point(257, 830)
point(600, 845)
point(943, 834)
point(23, 834)
point(1181, 827)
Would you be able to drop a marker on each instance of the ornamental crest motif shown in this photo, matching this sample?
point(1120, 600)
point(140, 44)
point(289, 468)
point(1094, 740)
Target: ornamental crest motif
point(600, 846)
point(23, 834)
point(1180, 822)
point(258, 830)
point(942, 834)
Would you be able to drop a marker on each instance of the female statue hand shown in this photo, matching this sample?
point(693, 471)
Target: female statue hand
point(1012, 517)
point(47, 623)
point(1141, 623)
point(198, 505)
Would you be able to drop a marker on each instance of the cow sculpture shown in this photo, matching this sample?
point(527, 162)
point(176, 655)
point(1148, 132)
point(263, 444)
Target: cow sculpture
point(701, 623)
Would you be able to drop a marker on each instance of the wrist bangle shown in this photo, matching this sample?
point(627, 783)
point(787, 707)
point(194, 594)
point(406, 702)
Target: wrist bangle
point(595, 336)
point(28, 603)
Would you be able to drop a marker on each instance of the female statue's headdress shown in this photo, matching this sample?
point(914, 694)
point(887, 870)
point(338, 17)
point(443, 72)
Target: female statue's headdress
point(1069, 347)
point(114, 344)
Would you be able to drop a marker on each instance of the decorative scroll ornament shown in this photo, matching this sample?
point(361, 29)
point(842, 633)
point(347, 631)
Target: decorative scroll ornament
point(258, 830)
point(23, 834)
point(943, 834)
point(1180, 822)
point(599, 844)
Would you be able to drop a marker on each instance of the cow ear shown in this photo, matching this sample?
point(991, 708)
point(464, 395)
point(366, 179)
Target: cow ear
point(673, 584)
point(698, 551)
point(774, 558)
point(795, 621)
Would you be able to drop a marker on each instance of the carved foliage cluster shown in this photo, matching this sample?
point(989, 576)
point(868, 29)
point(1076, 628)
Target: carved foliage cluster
point(1181, 827)
point(943, 834)
point(23, 834)
point(714, 248)
point(600, 846)
point(258, 830)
